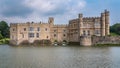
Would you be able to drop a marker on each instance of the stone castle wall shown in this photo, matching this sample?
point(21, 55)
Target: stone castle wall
point(105, 40)
point(94, 40)
point(78, 30)
point(85, 40)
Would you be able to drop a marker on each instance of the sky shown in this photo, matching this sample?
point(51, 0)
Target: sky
point(21, 11)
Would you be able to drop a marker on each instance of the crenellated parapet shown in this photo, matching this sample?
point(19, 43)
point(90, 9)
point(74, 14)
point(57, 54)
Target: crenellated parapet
point(60, 25)
point(91, 19)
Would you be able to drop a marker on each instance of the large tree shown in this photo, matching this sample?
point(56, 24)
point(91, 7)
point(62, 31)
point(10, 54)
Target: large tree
point(4, 28)
point(115, 28)
point(1, 35)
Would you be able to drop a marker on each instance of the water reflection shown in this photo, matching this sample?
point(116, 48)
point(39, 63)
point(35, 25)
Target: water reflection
point(59, 57)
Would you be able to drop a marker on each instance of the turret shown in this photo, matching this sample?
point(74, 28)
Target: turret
point(80, 15)
point(102, 24)
point(80, 24)
point(51, 20)
point(107, 23)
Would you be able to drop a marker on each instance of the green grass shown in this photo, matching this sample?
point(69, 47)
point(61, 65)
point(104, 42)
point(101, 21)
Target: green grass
point(114, 34)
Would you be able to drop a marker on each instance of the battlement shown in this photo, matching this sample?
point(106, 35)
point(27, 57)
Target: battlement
point(60, 25)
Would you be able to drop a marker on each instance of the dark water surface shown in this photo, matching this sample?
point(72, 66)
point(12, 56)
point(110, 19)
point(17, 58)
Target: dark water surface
point(59, 57)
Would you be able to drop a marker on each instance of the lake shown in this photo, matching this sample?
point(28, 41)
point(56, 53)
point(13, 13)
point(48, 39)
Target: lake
point(59, 57)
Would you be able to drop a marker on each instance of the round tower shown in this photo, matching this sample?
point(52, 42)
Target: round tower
point(107, 23)
point(80, 24)
point(102, 24)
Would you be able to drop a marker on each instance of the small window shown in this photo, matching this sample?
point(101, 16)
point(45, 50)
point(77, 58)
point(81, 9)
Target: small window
point(22, 35)
point(37, 35)
point(84, 33)
point(31, 35)
point(54, 30)
point(45, 29)
point(24, 29)
point(13, 29)
point(38, 29)
point(64, 30)
point(64, 35)
point(88, 32)
point(47, 37)
point(97, 32)
point(31, 29)
point(54, 35)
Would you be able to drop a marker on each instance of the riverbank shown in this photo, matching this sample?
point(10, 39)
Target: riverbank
point(106, 45)
point(4, 41)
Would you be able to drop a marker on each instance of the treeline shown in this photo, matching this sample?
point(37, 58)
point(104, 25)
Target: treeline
point(115, 29)
point(4, 32)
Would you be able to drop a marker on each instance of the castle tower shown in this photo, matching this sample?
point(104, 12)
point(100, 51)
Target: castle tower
point(107, 23)
point(80, 24)
point(102, 24)
point(51, 21)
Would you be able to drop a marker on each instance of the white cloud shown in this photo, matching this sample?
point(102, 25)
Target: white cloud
point(61, 10)
point(47, 6)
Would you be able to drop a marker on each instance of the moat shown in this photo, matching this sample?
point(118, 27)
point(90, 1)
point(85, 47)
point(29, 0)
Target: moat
point(59, 57)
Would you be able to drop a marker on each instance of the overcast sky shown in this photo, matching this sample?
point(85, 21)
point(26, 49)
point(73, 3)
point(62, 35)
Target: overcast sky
point(17, 11)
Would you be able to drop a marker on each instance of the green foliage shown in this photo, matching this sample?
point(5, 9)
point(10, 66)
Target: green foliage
point(1, 37)
point(115, 28)
point(55, 41)
point(4, 41)
point(4, 28)
point(113, 34)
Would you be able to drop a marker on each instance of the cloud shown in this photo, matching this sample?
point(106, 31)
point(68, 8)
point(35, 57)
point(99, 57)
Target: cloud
point(13, 8)
point(35, 10)
point(51, 7)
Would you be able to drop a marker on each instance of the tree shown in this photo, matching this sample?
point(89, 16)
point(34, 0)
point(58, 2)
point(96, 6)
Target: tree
point(1, 37)
point(4, 28)
point(115, 28)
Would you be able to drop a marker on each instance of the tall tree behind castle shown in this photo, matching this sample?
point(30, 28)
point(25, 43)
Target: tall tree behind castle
point(4, 29)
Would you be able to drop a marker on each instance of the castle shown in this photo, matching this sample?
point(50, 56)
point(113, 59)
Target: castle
point(72, 32)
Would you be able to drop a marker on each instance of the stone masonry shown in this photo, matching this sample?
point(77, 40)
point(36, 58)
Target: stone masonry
point(72, 32)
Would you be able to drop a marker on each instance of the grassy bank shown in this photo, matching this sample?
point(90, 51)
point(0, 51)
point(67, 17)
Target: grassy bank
point(103, 45)
point(4, 41)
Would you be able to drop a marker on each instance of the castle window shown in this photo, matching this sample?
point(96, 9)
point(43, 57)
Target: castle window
point(54, 30)
point(13, 29)
point(46, 29)
point(64, 35)
point(24, 29)
point(31, 29)
point(84, 33)
point(47, 37)
point(31, 35)
point(64, 30)
point(38, 29)
point(88, 32)
point(37, 35)
point(97, 25)
point(54, 35)
point(22, 35)
point(97, 32)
